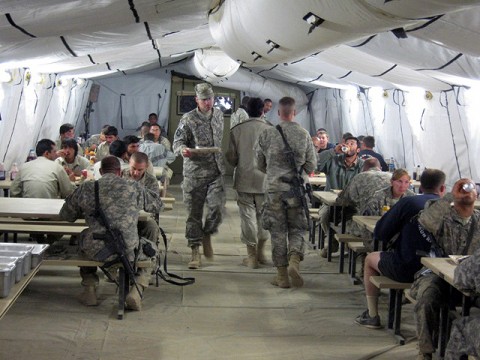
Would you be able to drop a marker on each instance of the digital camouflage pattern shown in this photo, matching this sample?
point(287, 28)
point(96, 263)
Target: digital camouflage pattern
point(202, 174)
point(284, 217)
point(380, 198)
point(464, 339)
point(238, 117)
point(357, 194)
point(269, 153)
point(198, 130)
point(120, 199)
point(450, 232)
point(148, 181)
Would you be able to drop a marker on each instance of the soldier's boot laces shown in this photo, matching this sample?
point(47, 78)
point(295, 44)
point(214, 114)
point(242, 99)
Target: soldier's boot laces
point(195, 261)
point(281, 280)
point(294, 271)
point(261, 252)
point(207, 247)
point(88, 297)
point(251, 260)
point(133, 300)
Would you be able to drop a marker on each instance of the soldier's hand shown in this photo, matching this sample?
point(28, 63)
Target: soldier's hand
point(186, 153)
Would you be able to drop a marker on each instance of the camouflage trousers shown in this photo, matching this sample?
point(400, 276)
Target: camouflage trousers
point(287, 226)
point(464, 338)
point(250, 209)
point(431, 293)
point(149, 229)
point(90, 277)
point(196, 194)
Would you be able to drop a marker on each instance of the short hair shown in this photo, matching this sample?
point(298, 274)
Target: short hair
point(153, 114)
point(398, 173)
point(371, 163)
point(157, 125)
point(139, 157)
point(131, 139)
point(66, 128)
point(255, 107)
point(145, 123)
point(117, 148)
point(287, 105)
point(352, 138)
point(346, 135)
point(110, 164)
point(321, 129)
point(149, 137)
point(245, 101)
point(44, 145)
point(267, 100)
point(369, 141)
point(322, 132)
point(104, 128)
point(110, 130)
point(71, 143)
point(432, 179)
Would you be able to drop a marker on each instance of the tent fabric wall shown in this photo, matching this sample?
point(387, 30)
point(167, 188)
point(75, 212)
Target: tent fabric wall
point(33, 109)
point(126, 101)
point(438, 133)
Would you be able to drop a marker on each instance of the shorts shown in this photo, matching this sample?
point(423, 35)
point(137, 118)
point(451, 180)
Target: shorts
point(390, 268)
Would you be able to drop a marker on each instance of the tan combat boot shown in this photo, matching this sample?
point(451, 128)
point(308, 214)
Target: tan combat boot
point(195, 262)
point(251, 260)
point(133, 300)
point(207, 247)
point(88, 297)
point(281, 280)
point(294, 270)
point(261, 252)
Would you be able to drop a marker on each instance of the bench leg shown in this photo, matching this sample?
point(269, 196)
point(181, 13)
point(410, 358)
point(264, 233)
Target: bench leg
point(123, 283)
point(329, 242)
point(353, 269)
point(398, 317)
point(342, 258)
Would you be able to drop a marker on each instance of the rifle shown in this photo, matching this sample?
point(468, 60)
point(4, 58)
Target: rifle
point(298, 187)
point(114, 245)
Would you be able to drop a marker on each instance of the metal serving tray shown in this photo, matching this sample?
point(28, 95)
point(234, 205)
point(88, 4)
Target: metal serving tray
point(7, 279)
point(37, 253)
point(18, 262)
point(25, 255)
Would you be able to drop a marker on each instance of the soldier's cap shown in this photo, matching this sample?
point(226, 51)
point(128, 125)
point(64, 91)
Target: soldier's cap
point(204, 91)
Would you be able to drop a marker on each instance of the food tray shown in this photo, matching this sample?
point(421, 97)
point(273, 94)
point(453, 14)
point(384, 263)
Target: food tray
point(37, 254)
point(7, 279)
point(18, 263)
point(205, 150)
point(25, 255)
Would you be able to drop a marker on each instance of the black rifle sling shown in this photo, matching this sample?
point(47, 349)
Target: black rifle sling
point(165, 275)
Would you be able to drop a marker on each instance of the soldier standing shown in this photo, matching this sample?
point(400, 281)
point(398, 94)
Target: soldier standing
point(249, 182)
point(283, 215)
point(202, 172)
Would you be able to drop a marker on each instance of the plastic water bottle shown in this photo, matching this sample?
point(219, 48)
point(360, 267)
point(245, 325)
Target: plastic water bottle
point(13, 171)
point(391, 165)
point(31, 155)
point(2, 172)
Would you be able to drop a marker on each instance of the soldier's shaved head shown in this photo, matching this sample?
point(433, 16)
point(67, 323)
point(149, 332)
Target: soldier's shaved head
point(110, 165)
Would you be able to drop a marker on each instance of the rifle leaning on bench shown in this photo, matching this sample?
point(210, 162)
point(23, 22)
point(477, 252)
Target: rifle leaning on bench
point(298, 187)
point(114, 245)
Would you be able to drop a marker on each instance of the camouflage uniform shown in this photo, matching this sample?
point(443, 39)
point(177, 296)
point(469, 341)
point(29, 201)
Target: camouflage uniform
point(431, 292)
point(202, 174)
point(147, 228)
point(380, 198)
point(248, 180)
point(357, 193)
point(121, 200)
point(238, 117)
point(338, 176)
point(464, 339)
point(284, 217)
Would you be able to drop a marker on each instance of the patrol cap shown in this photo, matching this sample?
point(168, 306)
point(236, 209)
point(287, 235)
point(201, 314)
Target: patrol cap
point(204, 91)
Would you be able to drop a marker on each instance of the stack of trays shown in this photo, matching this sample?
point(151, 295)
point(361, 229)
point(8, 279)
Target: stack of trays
point(16, 261)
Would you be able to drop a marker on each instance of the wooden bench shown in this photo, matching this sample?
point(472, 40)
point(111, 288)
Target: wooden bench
point(342, 240)
point(40, 227)
point(396, 290)
point(123, 277)
point(354, 249)
point(168, 203)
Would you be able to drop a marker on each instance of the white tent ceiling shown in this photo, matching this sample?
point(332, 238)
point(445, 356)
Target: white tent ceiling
point(350, 42)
